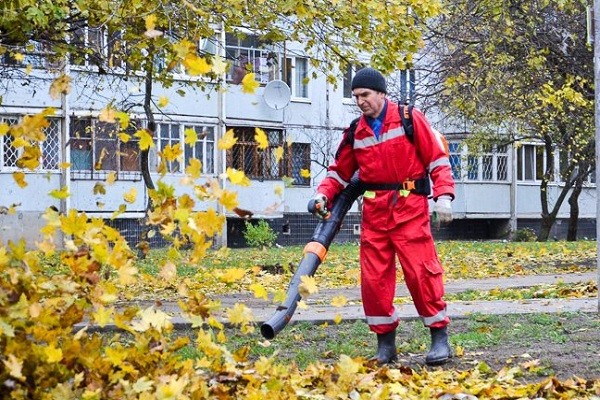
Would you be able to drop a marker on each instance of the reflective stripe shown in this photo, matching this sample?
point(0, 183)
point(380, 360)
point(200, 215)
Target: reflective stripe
point(438, 163)
point(428, 321)
point(371, 141)
point(384, 320)
point(334, 175)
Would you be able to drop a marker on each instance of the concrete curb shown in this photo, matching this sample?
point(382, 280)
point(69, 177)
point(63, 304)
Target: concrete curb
point(320, 311)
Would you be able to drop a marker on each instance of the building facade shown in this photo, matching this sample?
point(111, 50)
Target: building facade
point(497, 190)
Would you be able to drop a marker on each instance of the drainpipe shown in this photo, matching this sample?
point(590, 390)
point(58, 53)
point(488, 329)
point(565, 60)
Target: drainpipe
point(221, 158)
point(65, 153)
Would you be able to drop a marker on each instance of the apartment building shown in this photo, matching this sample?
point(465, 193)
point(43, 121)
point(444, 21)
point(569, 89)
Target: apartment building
point(497, 189)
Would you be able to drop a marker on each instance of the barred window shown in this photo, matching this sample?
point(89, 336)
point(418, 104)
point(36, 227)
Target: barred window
point(455, 159)
point(50, 147)
point(299, 159)
point(263, 164)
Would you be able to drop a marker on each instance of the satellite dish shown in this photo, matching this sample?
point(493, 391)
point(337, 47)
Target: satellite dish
point(277, 94)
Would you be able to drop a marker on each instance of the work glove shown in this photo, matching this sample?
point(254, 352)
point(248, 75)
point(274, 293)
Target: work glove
point(318, 206)
point(442, 210)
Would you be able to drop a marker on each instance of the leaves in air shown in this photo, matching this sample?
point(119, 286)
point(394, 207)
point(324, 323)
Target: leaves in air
point(227, 141)
point(249, 83)
point(261, 138)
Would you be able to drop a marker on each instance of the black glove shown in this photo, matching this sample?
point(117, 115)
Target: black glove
point(318, 206)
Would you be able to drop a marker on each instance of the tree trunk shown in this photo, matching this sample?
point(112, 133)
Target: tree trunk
point(574, 210)
point(143, 245)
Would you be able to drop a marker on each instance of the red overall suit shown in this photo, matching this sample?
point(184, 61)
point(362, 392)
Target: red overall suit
point(394, 222)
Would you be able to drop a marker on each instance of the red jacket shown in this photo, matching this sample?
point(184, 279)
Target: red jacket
point(390, 159)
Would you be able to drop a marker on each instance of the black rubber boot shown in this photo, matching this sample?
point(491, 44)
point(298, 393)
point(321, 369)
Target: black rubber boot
point(386, 348)
point(440, 348)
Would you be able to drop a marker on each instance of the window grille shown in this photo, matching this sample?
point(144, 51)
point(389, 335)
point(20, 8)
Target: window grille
point(51, 146)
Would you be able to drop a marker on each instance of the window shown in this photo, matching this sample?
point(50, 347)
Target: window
point(204, 148)
point(98, 47)
point(50, 147)
point(96, 147)
point(296, 75)
point(263, 164)
point(455, 159)
point(531, 162)
point(299, 159)
point(172, 134)
point(488, 164)
point(348, 75)
point(407, 86)
point(250, 54)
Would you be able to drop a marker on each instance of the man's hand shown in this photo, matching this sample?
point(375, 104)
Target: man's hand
point(318, 206)
point(442, 211)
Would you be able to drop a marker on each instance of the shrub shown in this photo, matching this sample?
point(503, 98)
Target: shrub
point(259, 235)
point(525, 235)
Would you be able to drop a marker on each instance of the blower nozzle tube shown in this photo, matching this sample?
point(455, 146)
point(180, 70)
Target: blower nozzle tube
point(314, 253)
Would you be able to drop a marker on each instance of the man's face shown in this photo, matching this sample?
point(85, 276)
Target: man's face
point(369, 101)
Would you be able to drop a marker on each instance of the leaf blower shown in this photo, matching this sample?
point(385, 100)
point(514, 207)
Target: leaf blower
point(314, 254)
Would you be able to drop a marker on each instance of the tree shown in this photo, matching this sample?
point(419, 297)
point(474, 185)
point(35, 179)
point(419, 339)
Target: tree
point(519, 71)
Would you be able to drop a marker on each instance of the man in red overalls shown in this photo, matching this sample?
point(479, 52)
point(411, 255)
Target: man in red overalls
point(395, 222)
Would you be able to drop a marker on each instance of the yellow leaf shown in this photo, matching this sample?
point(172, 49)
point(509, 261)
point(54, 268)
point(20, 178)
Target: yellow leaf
point(163, 101)
point(124, 137)
point(64, 165)
point(127, 275)
point(339, 301)
point(237, 177)
point(261, 138)
point(337, 319)
point(142, 385)
point(171, 153)
point(278, 153)
point(130, 196)
point(259, 291)
point(4, 128)
point(196, 65)
point(18, 57)
point(278, 190)
point(239, 314)
point(305, 173)
point(108, 114)
point(229, 199)
point(60, 86)
point(150, 22)
point(218, 65)
point(124, 119)
point(249, 83)
point(146, 140)
point(168, 272)
point(227, 141)
point(232, 275)
point(60, 194)
point(152, 318)
point(307, 286)
point(99, 188)
point(53, 354)
point(191, 136)
point(111, 178)
point(302, 305)
point(194, 169)
point(14, 366)
point(19, 178)
point(103, 316)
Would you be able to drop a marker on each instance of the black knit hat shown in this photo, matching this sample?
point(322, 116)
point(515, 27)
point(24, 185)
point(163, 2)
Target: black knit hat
point(369, 78)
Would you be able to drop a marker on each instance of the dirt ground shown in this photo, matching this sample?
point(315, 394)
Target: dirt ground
point(571, 350)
